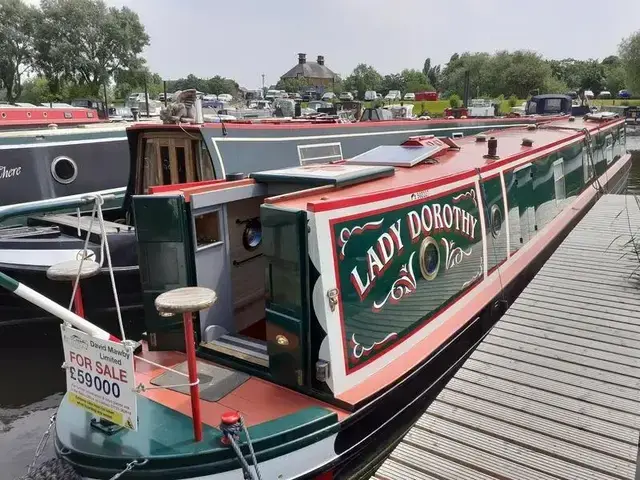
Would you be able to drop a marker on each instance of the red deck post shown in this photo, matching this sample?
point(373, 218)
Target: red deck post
point(78, 306)
point(193, 375)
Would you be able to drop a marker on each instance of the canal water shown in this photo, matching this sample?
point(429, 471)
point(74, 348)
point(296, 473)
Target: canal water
point(31, 380)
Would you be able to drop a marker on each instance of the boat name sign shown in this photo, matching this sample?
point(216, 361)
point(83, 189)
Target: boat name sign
point(100, 377)
point(6, 172)
point(385, 256)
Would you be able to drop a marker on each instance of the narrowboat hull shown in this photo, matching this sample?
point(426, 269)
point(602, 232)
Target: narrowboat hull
point(45, 164)
point(354, 448)
point(389, 355)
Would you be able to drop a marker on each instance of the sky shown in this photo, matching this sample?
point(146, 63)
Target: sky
point(243, 39)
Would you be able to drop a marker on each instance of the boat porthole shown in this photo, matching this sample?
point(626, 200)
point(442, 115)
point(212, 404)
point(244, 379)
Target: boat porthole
point(28, 114)
point(496, 221)
point(64, 170)
point(429, 258)
point(4, 115)
point(252, 235)
point(45, 114)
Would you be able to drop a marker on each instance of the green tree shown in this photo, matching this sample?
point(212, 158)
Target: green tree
point(85, 41)
point(630, 58)
point(527, 72)
point(427, 67)
point(616, 79)
point(36, 90)
point(554, 85)
point(364, 77)
point(128, 81)
point(17, 33)
point(454, 73)
point(433, 76)
point(394, 81)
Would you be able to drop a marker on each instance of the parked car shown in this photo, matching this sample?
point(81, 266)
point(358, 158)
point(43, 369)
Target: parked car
point(605, 94)
point(295, 96)
point(209, 98)
point(393, 95)
point(346, 96)
point(225, 97)
point(378, 96)
point(624, 94)
point(328, 96)
point(409, 96)
point(589, 94)
point(370, 95)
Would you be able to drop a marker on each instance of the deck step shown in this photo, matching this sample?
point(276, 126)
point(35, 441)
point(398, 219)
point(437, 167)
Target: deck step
point(245, 348)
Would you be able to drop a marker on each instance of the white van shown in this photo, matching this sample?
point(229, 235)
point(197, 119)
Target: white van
point(370, 95)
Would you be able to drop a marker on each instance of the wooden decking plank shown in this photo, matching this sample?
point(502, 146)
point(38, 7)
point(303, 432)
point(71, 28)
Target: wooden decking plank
point(551, 345)
point(568, 378)
point(564, 412)
point(518, 454)
point(536, 423)
point(549, 445)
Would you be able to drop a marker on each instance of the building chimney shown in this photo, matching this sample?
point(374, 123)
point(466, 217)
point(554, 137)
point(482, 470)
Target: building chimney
point(302, 58)
point(320, 59)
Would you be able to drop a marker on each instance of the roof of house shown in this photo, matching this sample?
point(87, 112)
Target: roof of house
point(309, 70)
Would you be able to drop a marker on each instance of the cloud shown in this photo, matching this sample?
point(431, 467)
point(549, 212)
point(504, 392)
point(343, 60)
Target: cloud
point(246, 38)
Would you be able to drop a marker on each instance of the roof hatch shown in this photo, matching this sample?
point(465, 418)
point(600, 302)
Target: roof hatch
point(414, 151)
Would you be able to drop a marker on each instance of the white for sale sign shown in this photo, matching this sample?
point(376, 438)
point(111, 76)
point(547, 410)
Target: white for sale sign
point(100, 377)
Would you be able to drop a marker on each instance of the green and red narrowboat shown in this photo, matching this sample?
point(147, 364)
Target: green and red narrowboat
point(347, 294)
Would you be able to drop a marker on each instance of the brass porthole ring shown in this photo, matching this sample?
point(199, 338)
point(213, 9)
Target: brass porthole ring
point(429, 258)
point(496, 221)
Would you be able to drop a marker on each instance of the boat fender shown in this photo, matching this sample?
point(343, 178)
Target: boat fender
point(53, 469)
point(527, 142)
point(481, 138)
point(533, 126)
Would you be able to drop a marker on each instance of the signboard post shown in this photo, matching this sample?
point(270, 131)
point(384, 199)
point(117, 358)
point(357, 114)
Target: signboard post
point(100, 377)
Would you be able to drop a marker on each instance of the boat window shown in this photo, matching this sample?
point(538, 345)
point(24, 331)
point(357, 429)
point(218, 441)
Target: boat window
point(208, 229)
point(532, 108)
point(169, 160)
point(151, 172)
point(204, 164)
point(182, 167)
point(553, 105)
point(165, 162)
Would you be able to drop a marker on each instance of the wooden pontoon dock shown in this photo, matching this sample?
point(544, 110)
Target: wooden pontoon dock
point(553, 391)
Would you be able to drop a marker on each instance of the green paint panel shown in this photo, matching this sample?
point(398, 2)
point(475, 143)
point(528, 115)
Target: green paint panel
point(165, 436)
point(287, 306)
point(163, 242)
point(397, 268)
point(496, 218)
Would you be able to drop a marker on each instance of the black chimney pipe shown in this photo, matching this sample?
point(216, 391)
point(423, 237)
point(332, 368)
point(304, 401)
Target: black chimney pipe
point(302, 58)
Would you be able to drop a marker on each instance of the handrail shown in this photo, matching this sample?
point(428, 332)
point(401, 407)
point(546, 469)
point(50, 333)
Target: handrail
point(51, 205)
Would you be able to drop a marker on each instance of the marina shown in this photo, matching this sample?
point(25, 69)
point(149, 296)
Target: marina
point(477, 207)
point(551, 392)
point(230, 251)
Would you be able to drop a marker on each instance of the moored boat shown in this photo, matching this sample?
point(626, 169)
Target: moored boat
point(346, 295)
point(166, 154)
